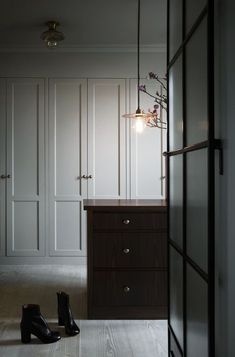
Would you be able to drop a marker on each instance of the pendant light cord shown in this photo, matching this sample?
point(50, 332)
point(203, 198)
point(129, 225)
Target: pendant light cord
point(138, 56)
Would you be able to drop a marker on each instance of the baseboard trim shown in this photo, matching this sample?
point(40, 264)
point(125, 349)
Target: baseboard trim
point(43, 260)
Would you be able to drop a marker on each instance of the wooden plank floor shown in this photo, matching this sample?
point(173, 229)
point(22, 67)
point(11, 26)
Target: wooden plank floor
point(98, 338)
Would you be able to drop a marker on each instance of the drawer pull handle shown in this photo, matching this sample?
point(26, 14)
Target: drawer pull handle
point(126, 250)
point(126, 221)
point(126, 289)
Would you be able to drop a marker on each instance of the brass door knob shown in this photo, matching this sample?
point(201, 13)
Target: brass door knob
point(126, 221)
point(126, 250)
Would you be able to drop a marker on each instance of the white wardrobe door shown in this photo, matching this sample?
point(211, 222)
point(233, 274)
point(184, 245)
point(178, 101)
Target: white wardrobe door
point(147, 163)
point(25, 165)
point(106, 139)
point(2, 164)
point(67, 163)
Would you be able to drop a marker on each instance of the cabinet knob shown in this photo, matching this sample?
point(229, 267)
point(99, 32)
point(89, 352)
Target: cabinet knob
point(126, 289)
point(126, 250)
point(5, 176)
point(90, 176)
point(126, 221)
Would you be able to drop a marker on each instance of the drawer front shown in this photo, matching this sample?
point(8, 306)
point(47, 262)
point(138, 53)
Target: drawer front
point(129, 221)
point(130, 249)
point(128, 288)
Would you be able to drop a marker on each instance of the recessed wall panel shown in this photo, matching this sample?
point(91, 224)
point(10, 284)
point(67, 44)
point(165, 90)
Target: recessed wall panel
point(67, 138)
point(25, 226)
point(68, 225)
point(25, 145)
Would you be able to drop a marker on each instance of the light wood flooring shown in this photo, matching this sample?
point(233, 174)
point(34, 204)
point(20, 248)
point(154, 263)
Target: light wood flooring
point(98, 338)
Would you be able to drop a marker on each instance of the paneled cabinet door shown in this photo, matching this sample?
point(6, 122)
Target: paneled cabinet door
point(67, 166)
point(106, 139)
point(2, 164)
point(25, 167)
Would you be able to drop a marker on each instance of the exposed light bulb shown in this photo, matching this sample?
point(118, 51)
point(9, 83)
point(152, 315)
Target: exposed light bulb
point(139, 125)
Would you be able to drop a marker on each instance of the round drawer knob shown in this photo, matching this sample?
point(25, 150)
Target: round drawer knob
point(126, 250)
point(126, 289)
point(126, 221)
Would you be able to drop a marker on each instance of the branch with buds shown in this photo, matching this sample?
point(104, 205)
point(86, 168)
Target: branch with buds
point(159, 98)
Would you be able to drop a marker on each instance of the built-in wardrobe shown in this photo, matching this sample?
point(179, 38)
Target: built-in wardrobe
point(63, 140)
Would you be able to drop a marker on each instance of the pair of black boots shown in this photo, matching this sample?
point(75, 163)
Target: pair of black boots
point(34, 323)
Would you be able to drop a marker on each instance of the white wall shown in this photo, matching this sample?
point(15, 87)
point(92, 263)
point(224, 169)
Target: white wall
point(225, 105)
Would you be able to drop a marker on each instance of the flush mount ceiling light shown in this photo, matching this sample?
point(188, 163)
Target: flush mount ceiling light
point(52, 37)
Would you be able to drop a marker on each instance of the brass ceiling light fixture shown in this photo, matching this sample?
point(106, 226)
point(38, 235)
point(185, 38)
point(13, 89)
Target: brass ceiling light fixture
point(52, 37)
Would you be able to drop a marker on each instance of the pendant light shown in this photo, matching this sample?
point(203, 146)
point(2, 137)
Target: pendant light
point(139, 115)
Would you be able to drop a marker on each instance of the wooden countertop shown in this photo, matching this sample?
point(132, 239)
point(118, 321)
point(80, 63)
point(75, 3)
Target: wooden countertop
point(134, 205)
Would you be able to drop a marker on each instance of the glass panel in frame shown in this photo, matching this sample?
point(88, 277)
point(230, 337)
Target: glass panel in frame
point(176, 106)
point(193, 10)
point(197, 315)
point(176, 294)
point(175, 34)
point(196, 86)
point(197, 207)
point(176, 199)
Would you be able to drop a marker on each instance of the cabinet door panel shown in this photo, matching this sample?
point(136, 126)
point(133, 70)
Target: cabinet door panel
point(25, 165)
point(67, 164)
point(106, 138)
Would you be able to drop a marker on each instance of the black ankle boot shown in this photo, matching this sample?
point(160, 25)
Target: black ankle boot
point(65, 317)
point(33, 323)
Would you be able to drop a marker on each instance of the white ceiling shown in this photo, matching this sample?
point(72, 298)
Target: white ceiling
point(84, 22)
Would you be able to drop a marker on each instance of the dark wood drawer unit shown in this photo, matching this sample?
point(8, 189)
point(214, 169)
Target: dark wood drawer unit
point(127, 259)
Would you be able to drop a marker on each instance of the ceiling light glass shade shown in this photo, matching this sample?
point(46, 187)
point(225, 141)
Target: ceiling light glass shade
point(51, 37)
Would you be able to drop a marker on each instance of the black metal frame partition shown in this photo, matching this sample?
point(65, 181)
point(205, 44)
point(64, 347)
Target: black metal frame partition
point(211, 144)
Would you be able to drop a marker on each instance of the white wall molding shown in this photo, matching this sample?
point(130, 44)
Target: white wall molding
point(153, 48)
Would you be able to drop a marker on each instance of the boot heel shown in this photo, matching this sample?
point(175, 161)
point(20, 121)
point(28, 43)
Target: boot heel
point(60, 321)
point(25, 336)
